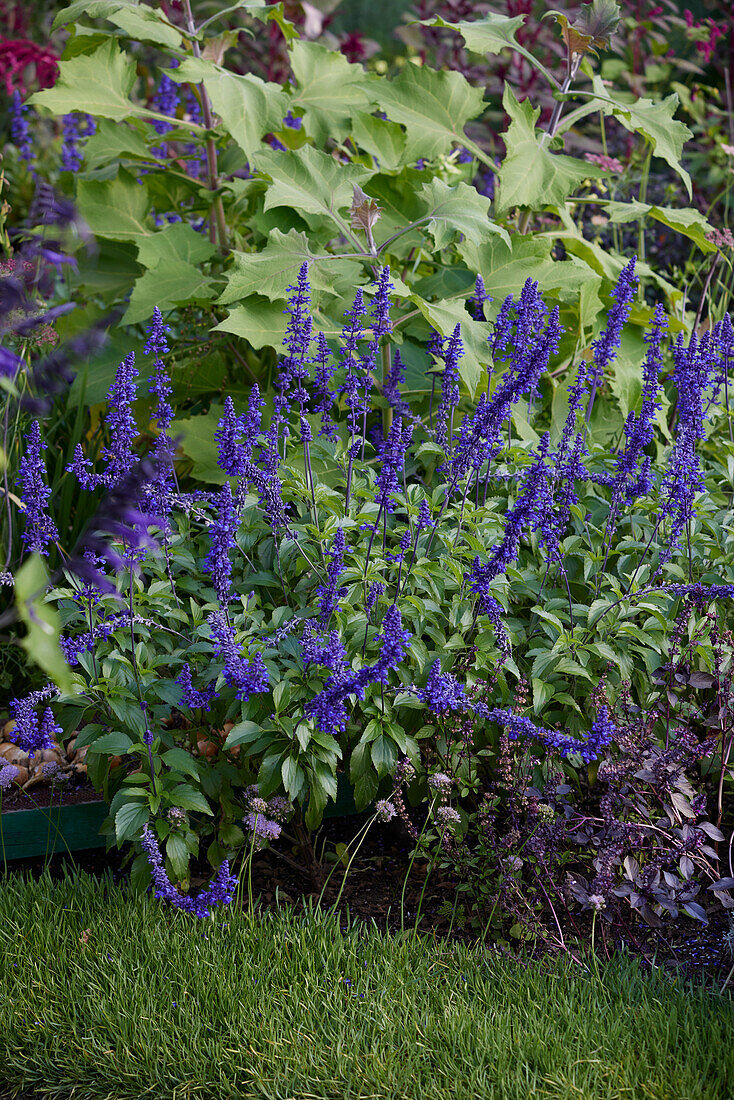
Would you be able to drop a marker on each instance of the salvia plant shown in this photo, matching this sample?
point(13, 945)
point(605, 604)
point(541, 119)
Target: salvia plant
point(369, 579)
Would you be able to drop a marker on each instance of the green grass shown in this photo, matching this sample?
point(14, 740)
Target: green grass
point(160, 1005)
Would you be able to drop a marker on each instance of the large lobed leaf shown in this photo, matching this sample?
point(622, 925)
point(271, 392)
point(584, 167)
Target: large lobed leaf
point(434, 107)
point(531, 175)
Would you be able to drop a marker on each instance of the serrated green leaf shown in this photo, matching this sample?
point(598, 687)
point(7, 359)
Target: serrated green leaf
point(688, 222)
point(434, 107)
point(654, 120)
point(171, 283)
point(329, 90)
point(144, 24)
point(175, 244)
point(129, 820)
point(249, 107)
point(98, 83)
point(181, 761)
point(384, 755)
point(457, 210)
point(178, 854)
point(272, 270)
point(383, 139)
point(531, 175)
point(309, 181)
point(113, 744)
point(111, 142)
point(260, 322)
point(115, 209)
point(188, 798)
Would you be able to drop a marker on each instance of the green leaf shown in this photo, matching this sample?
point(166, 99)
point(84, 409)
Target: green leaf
point(433, 106)
point(383, 139)
point(196, 434)
point(505, 269)
point(137, 20)
point(171, 283)
point(42, 623)
point(188, 798)
point(94, 9)
point(242, 733)
point(293, 775)
point(688, 222)
point(489, 35)
point(115, 209)
point(129, 821)
point(111, 142)
point(458, 209)
point(249, 107)
point(384, 755)
point(531, 175)
point(260, 322)
point(272, 270)
point(654, 120)
point(542, 693)
point(178, 855)
point(99, 83)
point(174, 244)
point(444, 316)
point(115, 744)
point(330, 89)
point(181, 761)
point(309, 181)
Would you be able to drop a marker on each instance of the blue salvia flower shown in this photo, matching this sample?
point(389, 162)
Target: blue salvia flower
point(442, 692)
point(603, 732)
point(191, 696)
point(293, 121)
point(165, 100)
point(478, 299)
point(392, 457)
point(683, 478)
point(20, 131)
point(453, 351)
point(246, 677)
point(479, 436)
point(294, 367)
point(527, 513)
point(165, 448)
point(120, 518)
point(71, 154)
point(328, 708)
point(232, 456)
point(425, 518)
point(632, 468)
point(222, 540)
point(100, 632)
point(327, 651)
point(606, 346)
point(330, 593)
point(322, 395)
point(219, 892)
point(40, 529)
point(30, 732)
point(352, 333)
point(381, 326)
point(375, 591)
point(123, 431)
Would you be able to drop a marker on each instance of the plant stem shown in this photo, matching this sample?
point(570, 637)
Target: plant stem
point(217, 223)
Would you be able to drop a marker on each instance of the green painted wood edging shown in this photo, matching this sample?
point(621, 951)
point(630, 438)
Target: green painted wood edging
point(26, 833)
point(36, 832)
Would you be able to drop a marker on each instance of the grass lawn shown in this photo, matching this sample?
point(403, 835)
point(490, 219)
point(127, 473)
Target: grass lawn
point(157, 1004)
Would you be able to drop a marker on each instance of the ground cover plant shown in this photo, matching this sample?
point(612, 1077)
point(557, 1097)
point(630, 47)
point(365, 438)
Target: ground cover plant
point(271, 1004)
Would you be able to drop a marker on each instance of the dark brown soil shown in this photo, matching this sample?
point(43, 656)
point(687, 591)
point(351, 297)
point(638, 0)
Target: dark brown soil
point(68, 795)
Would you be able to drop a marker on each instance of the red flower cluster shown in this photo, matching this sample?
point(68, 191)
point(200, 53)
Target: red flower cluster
point(23, 63)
